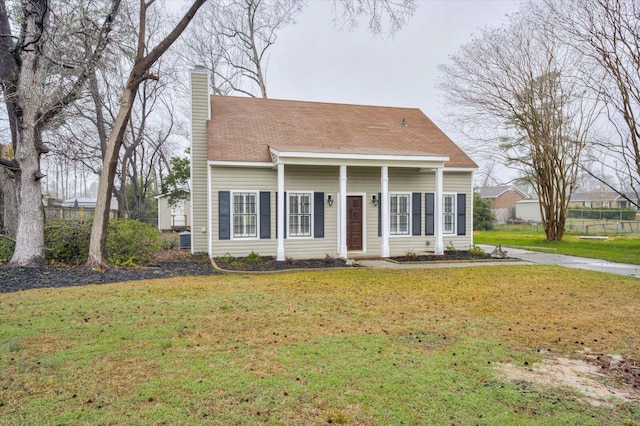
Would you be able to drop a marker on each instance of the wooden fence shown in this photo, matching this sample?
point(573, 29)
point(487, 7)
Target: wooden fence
point(73, 213)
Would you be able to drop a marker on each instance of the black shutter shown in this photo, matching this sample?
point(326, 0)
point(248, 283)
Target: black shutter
point(224, 215)
point(318, 214)
point(379, 215)
point(416, 208)
point(462, 214)
point(265, 215)
point(429, 208)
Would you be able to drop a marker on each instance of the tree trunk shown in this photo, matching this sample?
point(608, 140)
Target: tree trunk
point(10, 204)
point(107, 176)
point(29, 250)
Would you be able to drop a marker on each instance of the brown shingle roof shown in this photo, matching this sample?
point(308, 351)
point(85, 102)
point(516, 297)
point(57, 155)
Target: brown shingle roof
point(243, 129)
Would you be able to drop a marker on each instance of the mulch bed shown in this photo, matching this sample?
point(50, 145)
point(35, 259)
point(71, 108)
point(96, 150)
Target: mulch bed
point(268, 263)
point(453, 256)
point(175, 263)
point(15, 278)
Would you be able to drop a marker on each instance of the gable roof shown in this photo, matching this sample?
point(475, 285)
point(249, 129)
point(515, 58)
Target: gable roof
point(245, 129)
point(595, 196)
point(496, 191)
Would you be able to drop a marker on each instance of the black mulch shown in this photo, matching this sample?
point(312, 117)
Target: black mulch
point(457, 256)
point(15, 279)
point(268, 263)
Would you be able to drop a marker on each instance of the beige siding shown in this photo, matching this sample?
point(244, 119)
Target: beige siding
point(199, 116)
point(297, 178)
point(164, 214)
point(460, 183)
point(363, 181)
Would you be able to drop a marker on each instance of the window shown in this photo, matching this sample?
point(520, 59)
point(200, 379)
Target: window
point(606, 204)
point(245, 218)
point(449, 214)
point(299, 214)
point(399, 214)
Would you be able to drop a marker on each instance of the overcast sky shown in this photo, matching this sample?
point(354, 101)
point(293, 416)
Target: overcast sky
point(314, 61)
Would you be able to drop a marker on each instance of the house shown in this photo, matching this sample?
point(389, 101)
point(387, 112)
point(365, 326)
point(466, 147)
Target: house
point(503, 200)
point(173, 217)
point(296, 179)
point(599, 199)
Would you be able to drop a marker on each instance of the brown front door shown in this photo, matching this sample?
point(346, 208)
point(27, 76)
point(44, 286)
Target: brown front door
point(354, 223)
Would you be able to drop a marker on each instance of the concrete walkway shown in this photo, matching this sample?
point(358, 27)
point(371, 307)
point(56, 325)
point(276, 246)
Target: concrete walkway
point(526, 257)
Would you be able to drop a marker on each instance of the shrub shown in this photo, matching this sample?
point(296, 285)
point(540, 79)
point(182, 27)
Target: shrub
point(411, 255)
point(130, 242)
point(483, 217)
point(253, 258)
point(67, 242)
point(475, 250)
point(450, 248)
point(6, 250)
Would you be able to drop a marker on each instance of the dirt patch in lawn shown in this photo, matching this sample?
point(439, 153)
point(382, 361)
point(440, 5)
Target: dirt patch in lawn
point(600, 379)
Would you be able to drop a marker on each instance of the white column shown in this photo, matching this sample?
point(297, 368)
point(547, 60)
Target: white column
point(281, 212)
point(384, 210)
point(437, 214)
point(343, 212)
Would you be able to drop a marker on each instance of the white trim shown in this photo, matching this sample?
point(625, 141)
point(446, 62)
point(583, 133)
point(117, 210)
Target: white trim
point(232, 213)
point(455, 213)
point(373, 160)
point(364, 221)
point(240, 164)
point(437, 214)
point(384, 210)
point(461, 169)
point(209, 216)
point(409, 214)
point(342, 225)
point(311, 210)
point(470, 222)
point(280, 255)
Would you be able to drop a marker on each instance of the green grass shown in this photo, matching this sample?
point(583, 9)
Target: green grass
point(341, 347)
point(623, 249)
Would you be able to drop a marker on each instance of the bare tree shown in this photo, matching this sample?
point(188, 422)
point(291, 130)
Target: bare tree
point(232, 38)
point(608, 32)
point(42, 71)
point(385, 17)
point(145, 58)
point(525, 90)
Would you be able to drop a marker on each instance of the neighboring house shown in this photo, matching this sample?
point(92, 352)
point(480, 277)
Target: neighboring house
point(173, 218)
point(298, 179)
point(599, 199)
point(503, 200)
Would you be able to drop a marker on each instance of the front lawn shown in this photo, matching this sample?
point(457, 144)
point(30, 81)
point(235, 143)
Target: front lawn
point(623, 249)
point(344, 346)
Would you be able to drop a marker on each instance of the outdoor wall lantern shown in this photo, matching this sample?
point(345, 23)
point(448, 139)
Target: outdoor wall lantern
point(374, 200)
point(330, 200)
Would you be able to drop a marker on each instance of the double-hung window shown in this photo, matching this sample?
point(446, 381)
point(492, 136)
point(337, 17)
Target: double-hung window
point(245, 215)
point(449, 214)
point(299, 214)
point(399, 214)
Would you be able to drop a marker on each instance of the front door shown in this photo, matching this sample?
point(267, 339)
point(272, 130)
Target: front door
point(354, 222)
